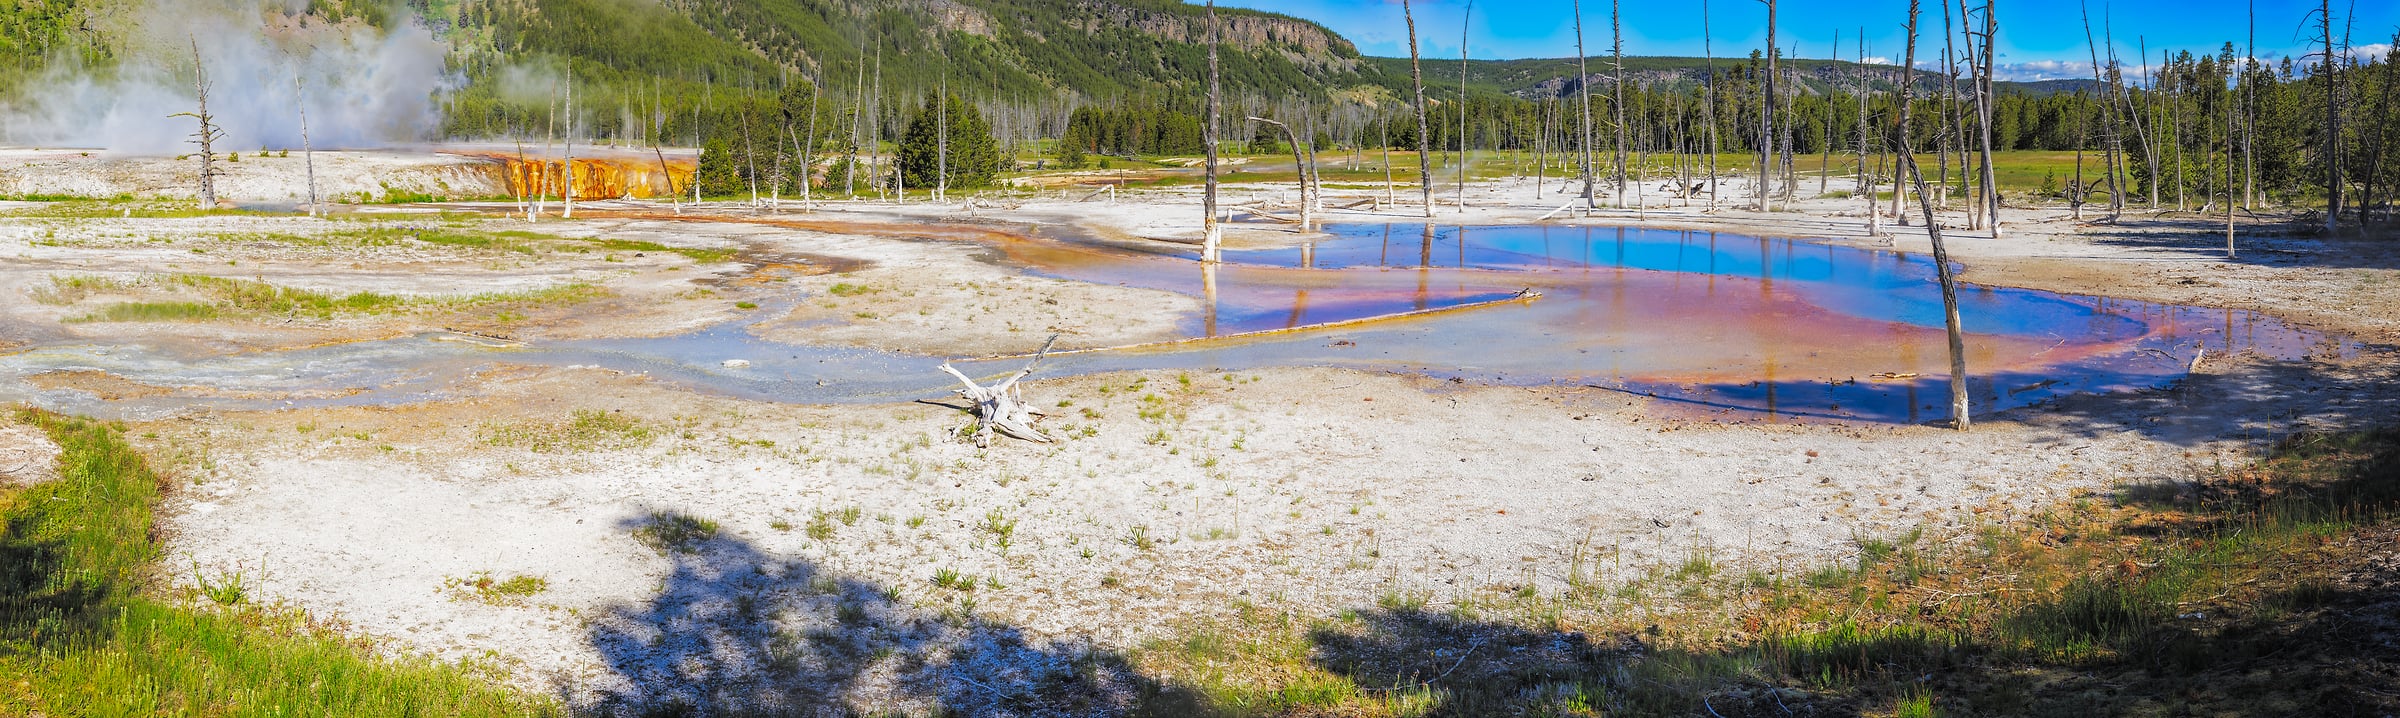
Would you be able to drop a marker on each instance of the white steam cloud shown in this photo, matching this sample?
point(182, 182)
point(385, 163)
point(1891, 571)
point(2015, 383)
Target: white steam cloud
point(362, 86)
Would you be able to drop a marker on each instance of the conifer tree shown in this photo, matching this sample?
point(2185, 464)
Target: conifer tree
point(974, 154)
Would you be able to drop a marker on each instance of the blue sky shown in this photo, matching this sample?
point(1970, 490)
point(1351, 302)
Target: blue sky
point(2038, 40)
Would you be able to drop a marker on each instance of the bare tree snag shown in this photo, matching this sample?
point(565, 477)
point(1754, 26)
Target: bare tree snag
point(1210, 233)
point(2105, 76)
point(941, 126)
point(2229, 197)
point(208, 133)
point(1766, 117)
point(2333, 123)
point(1866, 179)
point(1708, 101)
point(1616, 35)
point(2250, 115)
point(308, 154)
point(1983, 107)
point(858, 113)
point(1583, 93)
point(1001, 407)
point(1933, 230)
point(1416, 74)
point(567, 197)
point(808, 151)
point(1462, 105)
point(1306, 221)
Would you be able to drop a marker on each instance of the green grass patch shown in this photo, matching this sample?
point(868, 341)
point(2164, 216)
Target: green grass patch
point(39, 197)
point(667, 532)
point(78, 208)
point(517, 242)
point(80, 634)
point(224, 298)
point(244, 296)
point(152, 312)
point(703, 255)
point(584, 430)
point(483, 587)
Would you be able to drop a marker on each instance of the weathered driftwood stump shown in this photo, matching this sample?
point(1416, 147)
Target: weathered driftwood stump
point(1001, 407)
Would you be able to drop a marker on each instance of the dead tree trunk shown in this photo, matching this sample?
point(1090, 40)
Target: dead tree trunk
point(2250, 115)
point(1416, 75)
point(1001, 407)
point(207, 135)
point(1462, 105)
point(1210, 233)
point(2229, 198)
point(2146, 128)
point(858, 113)
point(1298, 161)
point(1766, 117)
point(1941, 256)
point(941, 177)
point(1583, 93)
point(1616, 32)
point(1866, 178)
point(750, 154)
point(308, 153)
point(1541, 127)
point(875, 167)
point(1708, 99)
point(567, 197)
point(1825, 149)
point(2333, 123)
point(1980, 78)
point(808, 152)
point(2106, 77)
point(1315, 176)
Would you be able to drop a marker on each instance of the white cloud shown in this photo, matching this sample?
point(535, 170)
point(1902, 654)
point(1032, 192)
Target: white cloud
point(2036, 70)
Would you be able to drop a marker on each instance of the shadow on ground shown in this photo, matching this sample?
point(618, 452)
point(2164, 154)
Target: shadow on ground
point(2253, 398)
point(2311, 641)
point(703, 650)
point(2327, 651)
point(736, 631)
point(2262, 240)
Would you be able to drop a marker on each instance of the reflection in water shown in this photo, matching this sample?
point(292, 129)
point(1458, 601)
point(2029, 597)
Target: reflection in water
point(1713, 323)
point(1709, 320)
point(1208, 283)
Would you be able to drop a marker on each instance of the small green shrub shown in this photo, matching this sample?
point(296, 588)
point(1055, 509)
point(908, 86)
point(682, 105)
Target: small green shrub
point(675, 533)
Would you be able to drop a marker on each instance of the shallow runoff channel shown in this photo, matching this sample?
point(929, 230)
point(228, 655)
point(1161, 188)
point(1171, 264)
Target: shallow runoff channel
point(1707, 322)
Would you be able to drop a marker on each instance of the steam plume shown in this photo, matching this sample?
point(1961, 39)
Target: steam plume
point(362, 86)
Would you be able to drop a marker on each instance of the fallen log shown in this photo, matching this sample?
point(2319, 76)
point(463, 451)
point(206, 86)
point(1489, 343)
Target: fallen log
point(1561, 208)
point(1001, 407)
point(1263, 214)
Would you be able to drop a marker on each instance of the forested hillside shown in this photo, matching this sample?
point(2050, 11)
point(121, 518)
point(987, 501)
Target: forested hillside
point(1121, 77)
point(35, 33)
point(1555, 77)
point(1028, 52)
